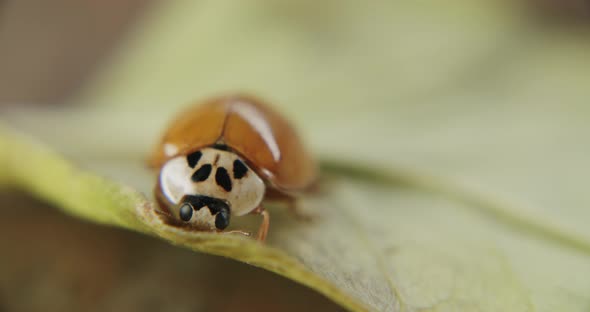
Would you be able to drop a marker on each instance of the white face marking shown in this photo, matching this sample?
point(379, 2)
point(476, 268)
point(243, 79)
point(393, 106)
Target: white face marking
point(203, 219)
point(170, 149)
point(176, 181)
point(248, 112)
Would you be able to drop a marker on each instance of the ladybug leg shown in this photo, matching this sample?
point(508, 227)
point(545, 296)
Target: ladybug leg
point(238, 232)
point(316, 188)
point(263, 229)
point(165, 216)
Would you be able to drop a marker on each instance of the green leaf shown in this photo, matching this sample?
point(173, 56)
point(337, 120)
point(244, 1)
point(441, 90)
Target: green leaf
point(451, 137)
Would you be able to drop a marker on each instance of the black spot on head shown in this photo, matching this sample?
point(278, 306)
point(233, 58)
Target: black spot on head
point(239, 169)
point(221, 147)
point(222, 179)
point(215, 205)
point(197, 201)
point(202, 174)
point(193, 158)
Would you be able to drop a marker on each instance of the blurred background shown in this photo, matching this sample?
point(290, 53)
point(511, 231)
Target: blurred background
point(49, 51)
point(62, 53)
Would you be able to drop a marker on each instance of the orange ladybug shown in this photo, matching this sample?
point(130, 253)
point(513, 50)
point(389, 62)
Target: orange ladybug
point(223, 158)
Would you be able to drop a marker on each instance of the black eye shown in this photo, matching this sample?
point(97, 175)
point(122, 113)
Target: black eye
point(193, 159)
point(186, 212)
point(222, 220)
point(239, 169)
point(202, 174)
point(222, 179)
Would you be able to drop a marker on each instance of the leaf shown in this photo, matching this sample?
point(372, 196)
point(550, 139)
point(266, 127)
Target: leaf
point(120, 270)
point(450, 136)
point(38, 170)
point(389, 266)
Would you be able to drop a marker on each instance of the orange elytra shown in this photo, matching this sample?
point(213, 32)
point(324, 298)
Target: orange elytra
point(226, 156)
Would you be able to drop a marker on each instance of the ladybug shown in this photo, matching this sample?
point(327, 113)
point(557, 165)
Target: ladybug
point(223, 158)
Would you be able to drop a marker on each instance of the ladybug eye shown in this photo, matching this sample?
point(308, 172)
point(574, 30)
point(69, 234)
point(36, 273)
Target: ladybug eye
point(222, 220)
point(186, 212)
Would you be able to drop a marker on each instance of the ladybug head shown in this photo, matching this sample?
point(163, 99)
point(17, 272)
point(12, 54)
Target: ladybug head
point(215, 179)
point(216, 211)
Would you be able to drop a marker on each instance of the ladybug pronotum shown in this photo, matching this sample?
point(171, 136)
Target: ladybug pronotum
point(223, 158)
